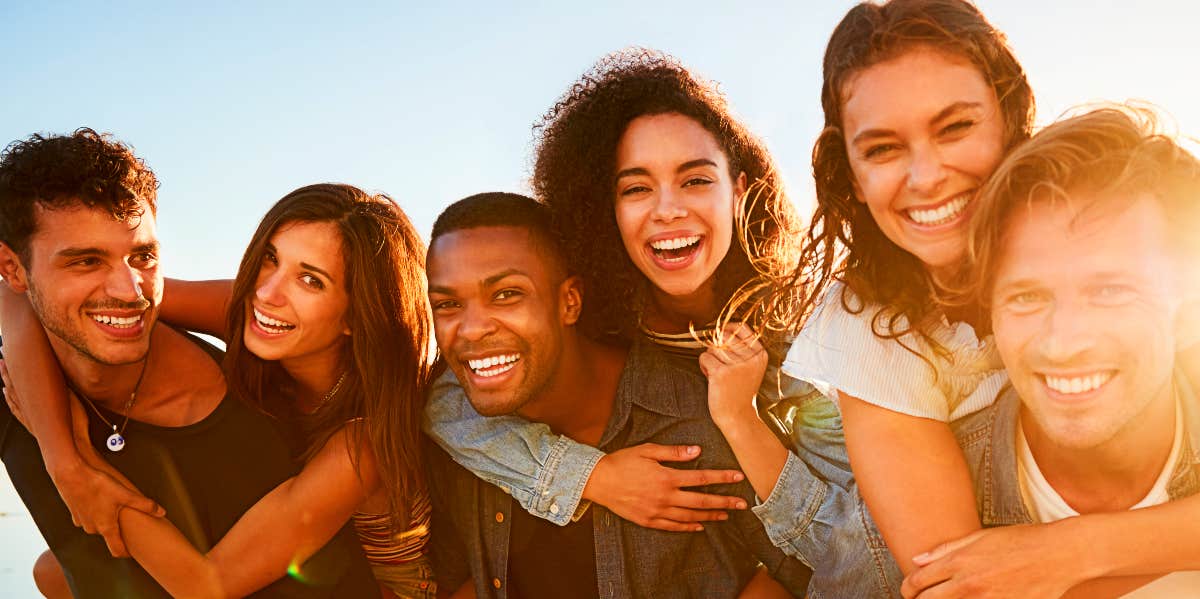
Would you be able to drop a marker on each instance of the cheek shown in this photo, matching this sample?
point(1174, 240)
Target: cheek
point(629, 218)
point(1012, 335)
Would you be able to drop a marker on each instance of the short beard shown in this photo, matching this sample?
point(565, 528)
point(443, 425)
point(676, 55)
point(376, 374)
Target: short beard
point(58, 325)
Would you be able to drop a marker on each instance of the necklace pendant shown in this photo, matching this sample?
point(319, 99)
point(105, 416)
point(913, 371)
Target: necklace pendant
point(115, 442)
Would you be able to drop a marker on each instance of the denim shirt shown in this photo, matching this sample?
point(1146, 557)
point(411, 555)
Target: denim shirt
point(814, 513)
point(656, 402)
point(989, 441)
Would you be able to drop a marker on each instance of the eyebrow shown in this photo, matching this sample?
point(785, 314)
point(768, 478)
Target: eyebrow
point(306, 266)
point(77, 252)
point(943, 113)
point(637, 170)
point(487, 282)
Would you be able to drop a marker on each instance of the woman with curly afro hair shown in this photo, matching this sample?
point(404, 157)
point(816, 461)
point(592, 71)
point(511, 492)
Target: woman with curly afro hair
point(668, 208)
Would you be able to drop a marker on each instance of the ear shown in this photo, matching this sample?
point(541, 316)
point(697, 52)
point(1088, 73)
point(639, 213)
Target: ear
point(739, 186)
point(12, 270)
point(570, 299)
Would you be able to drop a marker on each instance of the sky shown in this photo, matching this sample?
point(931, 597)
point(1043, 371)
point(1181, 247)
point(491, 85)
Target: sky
point(235, 104)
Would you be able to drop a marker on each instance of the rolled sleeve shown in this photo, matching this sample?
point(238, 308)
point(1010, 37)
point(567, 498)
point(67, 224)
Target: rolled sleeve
point(788, 513)
point(544, 472)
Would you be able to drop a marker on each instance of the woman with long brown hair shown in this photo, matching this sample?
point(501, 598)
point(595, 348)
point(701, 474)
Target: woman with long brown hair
point(328, 331)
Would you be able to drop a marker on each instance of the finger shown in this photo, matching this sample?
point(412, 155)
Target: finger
point(708, 363)
point(116, 546)
point(673, 526)
point(143, 504)
point(668, 453)
point(706, 501)
point(946, 548)
point(698, 478)
point(683, 515)
point(923, 578)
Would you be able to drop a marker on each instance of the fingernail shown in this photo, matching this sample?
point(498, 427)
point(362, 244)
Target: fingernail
point(741, 505)
point(738, 476)
point(698, 528)
point(693, 449)
point(723, 516)
point(921, 557)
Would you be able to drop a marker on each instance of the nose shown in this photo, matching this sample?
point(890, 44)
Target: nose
point(475, 323)
point(668, 206)
point(1068, 334)
point(926, 170)
point(269, 288)
point(124, 283)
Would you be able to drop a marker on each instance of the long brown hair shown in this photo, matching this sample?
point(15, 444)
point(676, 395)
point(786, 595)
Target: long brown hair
point(574, 174)
point(387, 360)
point(843, 240)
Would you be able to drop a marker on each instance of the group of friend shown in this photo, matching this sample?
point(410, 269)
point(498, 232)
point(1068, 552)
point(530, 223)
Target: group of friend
point(970, 374)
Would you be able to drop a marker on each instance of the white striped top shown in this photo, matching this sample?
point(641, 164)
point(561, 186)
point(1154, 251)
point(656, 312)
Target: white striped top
point(838, 351)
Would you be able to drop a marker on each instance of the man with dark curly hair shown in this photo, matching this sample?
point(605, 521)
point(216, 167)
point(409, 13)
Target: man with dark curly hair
point(78, 239)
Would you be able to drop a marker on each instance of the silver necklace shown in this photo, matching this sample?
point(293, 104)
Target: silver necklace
point(116, 441)
point(329, 394)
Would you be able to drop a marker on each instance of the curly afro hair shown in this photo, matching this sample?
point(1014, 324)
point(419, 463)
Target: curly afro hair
point(58, 171)
point(575, 168)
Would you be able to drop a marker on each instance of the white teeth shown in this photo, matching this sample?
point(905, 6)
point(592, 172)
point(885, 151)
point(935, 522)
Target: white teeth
point(271, 324)
point(1078, 384)
point(675, 243)
point(117, 321)
point(942, 214)
point(493, 365)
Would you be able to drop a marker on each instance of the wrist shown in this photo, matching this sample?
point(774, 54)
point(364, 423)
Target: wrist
point(64, 465)
point(733, 418)
point(1087, 554)
point(591, 489)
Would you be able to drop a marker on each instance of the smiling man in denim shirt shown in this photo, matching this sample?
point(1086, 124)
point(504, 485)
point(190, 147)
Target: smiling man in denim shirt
point(1082, 240)
point(505, 310)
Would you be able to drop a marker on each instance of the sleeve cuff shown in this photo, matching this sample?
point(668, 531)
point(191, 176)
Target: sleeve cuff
point(788, 512)
point(559, 489)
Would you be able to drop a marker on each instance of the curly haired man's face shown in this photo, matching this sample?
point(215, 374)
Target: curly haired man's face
point(94, 281)
point(674, 202)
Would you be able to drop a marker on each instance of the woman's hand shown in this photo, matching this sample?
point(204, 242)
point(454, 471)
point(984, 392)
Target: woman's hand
point(637, 487)
point(735, 368)
point(1012, 561)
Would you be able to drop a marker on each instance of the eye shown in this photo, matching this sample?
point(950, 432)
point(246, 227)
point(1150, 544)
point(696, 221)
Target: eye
point(269, 258)
point(697, 181)
point(145, 260)
point(444, 305)
point(1114, 295)
point(87, 262)
point(1026, 301)
point(312, 281)
point(958, 127)
point(508, 295)
point(634, 190)
point(880, 151)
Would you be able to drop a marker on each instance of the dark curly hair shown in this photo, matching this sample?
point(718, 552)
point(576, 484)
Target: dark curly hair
point(843, 241)
point(57, 171)
point(575, 174)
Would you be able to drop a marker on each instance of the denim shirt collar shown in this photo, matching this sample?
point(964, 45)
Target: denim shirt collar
point(641, 384)
point(1001, 501)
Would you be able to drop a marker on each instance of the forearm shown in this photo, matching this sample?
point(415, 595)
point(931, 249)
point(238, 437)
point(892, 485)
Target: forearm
point(34, 368)
point(546, 473)
point(173, 562)
point(1150, 541)
point(199, 306)
point(912, 476)
point(756, 447)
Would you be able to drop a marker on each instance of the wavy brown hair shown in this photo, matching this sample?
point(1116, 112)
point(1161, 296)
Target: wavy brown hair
point(87, 168)
point(387, 360)
point(1111, 156)
point(574, 173)
point(843, 240)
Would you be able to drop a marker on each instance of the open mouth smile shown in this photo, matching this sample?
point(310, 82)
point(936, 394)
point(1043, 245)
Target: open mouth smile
point(492, 366)
point(675, 251)
point(947, 212)
point(269, 325)
point(1077, 385)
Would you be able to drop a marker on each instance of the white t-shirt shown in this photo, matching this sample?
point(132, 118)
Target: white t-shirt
point(1046, 505)
point(838, 350)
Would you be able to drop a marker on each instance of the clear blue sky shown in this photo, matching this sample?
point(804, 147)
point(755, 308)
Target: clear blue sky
point(235, 105)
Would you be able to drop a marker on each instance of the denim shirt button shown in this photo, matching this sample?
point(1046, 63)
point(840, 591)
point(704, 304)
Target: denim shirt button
point(499, 517)
point(554, 508)
point(496, 582)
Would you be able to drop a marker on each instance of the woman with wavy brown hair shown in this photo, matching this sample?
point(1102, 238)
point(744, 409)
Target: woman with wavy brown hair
point(328, 330)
